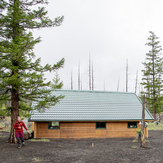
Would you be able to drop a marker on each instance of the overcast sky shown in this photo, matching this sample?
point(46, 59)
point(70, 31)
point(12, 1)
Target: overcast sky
point(110, 30)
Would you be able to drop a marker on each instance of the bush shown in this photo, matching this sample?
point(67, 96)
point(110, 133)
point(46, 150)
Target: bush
point(139, 132)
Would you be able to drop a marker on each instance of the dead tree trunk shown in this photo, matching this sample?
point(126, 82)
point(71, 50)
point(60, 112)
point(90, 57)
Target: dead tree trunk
point(92, 78)
point(118, 84)
point(71, 82)
point(143, 124)
point(81, 83)
point(89, 73)
point(79, 77)
point(127, 75)
point(136, 82)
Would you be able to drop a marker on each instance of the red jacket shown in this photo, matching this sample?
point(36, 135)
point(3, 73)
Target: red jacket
point(16, 126)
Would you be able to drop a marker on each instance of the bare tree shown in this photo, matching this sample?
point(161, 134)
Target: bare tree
point(89, 73)
point(136, 82)
point(79, 76)
point(71, 80)
point(81, 83)
point(118, 84)
point(92, 78)
point(127, 75)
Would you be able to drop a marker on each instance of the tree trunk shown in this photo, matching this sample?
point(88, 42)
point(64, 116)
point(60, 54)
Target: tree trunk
point(92, 78)
point(79, 77)
point(154, 92)
point(142, 124)
point(89, 73)
point(14, 113)
point(71, 81)
point(154, 114)
point(127, 75)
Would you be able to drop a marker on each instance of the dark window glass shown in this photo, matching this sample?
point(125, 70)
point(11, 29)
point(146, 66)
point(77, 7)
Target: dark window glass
point(132, 124)
point(100, 125)
point(54, 125)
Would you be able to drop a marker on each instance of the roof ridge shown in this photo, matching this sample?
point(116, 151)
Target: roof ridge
point(97, 91)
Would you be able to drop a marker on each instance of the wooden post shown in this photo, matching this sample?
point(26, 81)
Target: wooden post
point(35, 129)
point(142, 124)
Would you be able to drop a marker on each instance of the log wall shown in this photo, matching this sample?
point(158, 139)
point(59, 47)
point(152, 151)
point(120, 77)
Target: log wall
point(85, 130)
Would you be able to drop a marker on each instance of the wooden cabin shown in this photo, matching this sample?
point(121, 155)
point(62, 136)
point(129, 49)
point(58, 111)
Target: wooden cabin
point(90, 114)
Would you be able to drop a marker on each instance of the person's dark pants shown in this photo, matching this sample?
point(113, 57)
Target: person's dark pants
point(20, 137)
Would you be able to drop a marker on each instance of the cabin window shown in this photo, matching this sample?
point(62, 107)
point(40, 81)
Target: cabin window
point(53, 125)
point(100, 125)
point(132, 124)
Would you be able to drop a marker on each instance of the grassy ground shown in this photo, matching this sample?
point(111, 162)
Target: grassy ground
point(152, 126)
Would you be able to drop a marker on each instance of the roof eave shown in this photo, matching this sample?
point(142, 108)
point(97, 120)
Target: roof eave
point(41, 120)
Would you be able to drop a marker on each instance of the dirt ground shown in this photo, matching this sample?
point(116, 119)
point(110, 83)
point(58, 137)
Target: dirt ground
point(116, 150)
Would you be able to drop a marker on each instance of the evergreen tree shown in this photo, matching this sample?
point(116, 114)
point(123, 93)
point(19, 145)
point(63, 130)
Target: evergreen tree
point(152, 75)
point(56, 83)
point(21, 75)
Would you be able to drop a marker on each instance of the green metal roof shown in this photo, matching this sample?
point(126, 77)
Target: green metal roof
point(93, 106)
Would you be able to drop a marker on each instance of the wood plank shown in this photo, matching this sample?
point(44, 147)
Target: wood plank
point(77, 125)
point(146, 132)
point(35, 129)
point(85, 130)
point(100, 133)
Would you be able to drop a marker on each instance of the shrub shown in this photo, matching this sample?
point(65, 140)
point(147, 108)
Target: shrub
point(139, 132)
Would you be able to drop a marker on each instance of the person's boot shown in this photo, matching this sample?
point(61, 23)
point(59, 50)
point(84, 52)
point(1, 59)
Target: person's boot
point(23, 143)
point(19, 146)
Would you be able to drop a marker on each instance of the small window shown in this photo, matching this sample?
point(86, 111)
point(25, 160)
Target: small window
point(101, 125)
point(132, 124)
point(54, 125)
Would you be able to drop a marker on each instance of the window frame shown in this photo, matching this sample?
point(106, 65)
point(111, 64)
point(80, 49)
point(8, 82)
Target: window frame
point(53, 128)
point(132, 122)
point(102, 127)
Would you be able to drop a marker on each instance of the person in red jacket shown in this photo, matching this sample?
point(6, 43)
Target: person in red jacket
point(18, 126)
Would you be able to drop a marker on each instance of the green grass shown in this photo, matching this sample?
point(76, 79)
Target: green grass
point(47, 140)
point(36, 159)
point(134, 147)
point(3, 136)
point(152, 126)
point(135, 141)
point(147, 141)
